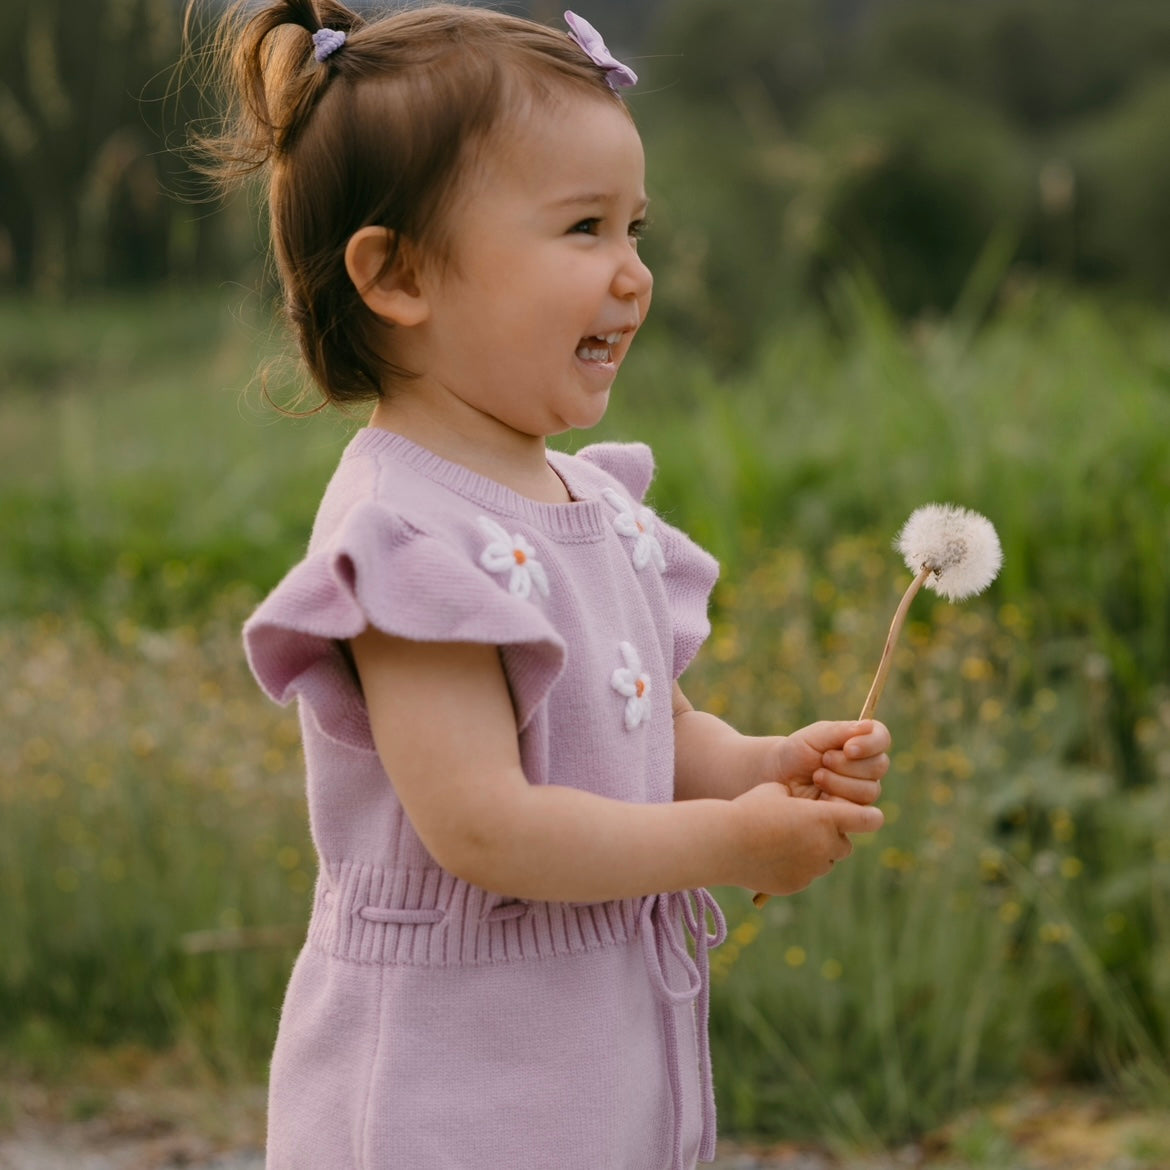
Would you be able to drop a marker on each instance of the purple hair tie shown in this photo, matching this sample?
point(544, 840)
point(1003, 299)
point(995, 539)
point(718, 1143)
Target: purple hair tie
point(580, 30)
point(326, 42)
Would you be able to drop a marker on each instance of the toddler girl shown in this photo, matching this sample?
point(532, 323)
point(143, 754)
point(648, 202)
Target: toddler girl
point(515, 807)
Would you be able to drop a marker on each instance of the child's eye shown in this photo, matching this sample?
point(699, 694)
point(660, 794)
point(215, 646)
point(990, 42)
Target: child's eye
point(592, 227)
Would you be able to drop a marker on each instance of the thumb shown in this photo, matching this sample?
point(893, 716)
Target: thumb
point(855, 818)
point(833, 733)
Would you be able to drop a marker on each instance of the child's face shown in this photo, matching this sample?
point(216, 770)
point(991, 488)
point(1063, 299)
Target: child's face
point(545, 290)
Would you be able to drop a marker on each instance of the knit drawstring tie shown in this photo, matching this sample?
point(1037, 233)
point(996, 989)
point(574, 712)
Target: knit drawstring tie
point(663, 919)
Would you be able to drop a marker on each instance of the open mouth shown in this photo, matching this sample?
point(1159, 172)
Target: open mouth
point(598, 349)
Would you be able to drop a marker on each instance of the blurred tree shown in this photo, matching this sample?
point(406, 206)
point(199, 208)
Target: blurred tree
point(792, 140)
point(93, 193)
point(1121, 200)
point(78, 164)
point(791, 48)
point(1041, 63)
point(939, 176)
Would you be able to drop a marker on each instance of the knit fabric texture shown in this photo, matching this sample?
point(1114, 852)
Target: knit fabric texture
point(429, 1023)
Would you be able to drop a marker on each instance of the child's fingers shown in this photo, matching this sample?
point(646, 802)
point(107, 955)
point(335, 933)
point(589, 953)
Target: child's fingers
point(870, 767)
point(855, 772)
point(859, 737)
point(872, 740)
point(855, 818)
point(847, 788)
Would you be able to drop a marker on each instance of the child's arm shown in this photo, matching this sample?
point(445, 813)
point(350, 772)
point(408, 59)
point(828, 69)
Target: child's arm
point(443, 723)
point(846, 760)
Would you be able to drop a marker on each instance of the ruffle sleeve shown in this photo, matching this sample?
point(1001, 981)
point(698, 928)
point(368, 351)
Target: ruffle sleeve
point(379, 570)
point(690, 572)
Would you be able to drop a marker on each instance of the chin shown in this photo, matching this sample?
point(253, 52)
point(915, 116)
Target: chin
point(587, 420)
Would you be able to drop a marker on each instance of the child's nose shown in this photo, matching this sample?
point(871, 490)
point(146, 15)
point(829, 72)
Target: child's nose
point(633, 278)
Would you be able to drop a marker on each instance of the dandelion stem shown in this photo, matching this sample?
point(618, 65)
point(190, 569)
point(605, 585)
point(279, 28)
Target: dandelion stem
point(960, 549)
point(883, 670)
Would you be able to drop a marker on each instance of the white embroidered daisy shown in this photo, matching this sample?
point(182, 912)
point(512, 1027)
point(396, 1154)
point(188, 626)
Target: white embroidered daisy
point(516, 557)
point(638, 524)
point(634, 683)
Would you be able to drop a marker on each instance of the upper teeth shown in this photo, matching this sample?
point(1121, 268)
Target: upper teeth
point(611, 338)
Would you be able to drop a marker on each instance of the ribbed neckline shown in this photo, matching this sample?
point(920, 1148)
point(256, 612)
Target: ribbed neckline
point(582, 518)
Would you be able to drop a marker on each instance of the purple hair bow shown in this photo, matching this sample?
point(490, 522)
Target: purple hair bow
point(618, 75)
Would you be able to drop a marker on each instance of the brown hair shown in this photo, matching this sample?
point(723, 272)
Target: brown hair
point(374, 135)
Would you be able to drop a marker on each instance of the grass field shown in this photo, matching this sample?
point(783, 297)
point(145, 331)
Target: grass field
point(1011, 923)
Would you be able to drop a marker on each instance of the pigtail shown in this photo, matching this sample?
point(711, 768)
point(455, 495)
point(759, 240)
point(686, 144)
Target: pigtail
point(260, 65)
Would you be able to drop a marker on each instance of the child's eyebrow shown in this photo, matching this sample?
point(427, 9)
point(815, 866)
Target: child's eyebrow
point(593, 200)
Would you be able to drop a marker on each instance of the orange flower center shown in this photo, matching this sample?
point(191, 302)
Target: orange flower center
point(640, 687)
point(518, 553)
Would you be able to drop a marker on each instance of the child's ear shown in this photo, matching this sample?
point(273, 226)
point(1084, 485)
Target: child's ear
point(390, 290)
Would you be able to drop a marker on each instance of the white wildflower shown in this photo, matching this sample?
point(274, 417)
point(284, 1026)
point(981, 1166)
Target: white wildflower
point(949, 549)
point(960, 548)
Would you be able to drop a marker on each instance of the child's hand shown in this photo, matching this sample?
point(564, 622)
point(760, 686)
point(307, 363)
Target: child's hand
point(784, 844)
point(842, 760)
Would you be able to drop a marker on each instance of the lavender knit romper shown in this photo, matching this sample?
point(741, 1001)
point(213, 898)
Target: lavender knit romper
point(430, 1025)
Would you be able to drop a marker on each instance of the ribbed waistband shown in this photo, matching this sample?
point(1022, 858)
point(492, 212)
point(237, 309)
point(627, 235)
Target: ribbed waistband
point(426, 917)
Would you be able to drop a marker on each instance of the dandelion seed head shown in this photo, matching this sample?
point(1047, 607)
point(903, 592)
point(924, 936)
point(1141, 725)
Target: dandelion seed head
point(959, 545)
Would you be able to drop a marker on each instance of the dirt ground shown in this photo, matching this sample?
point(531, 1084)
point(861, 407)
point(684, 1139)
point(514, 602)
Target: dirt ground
point(158, 1118)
